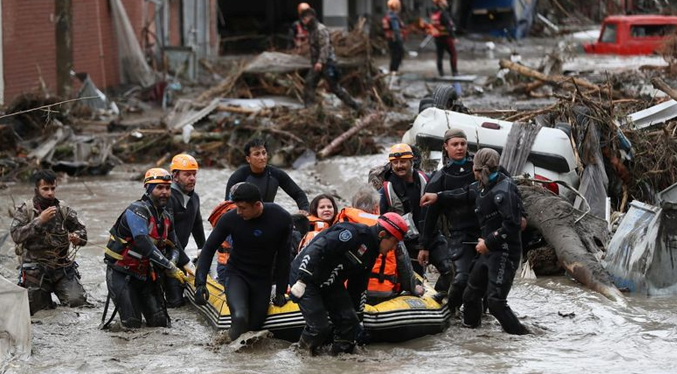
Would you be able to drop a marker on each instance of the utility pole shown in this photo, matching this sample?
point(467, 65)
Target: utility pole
point(63, 10)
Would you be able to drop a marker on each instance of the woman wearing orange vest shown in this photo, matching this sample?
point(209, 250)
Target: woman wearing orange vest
point(322, 214)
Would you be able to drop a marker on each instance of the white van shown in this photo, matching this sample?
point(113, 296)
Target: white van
point(552, 155)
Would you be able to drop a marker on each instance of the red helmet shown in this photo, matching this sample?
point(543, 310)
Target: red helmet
point(394, 224)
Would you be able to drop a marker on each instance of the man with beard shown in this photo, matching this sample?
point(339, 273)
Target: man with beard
point(142, 243)
point(44, 228)
point(402, 189)
point(322, 62)
point(184, 206)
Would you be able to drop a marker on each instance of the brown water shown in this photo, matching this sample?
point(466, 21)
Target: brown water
point(594, 335)
point(576, 330)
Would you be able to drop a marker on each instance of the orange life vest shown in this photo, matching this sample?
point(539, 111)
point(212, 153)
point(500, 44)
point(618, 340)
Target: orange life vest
point(438, 29)
point(383, 277)
point(317, 225)
point(222, 208)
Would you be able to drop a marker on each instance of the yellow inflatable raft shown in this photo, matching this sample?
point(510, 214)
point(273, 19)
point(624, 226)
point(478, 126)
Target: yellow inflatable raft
point(399, 319)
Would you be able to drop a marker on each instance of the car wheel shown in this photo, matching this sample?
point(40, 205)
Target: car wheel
point(444, 97)
point(425, 103)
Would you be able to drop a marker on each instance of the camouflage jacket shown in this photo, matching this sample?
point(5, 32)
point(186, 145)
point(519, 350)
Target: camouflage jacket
point(45, 242)
point(321, 49)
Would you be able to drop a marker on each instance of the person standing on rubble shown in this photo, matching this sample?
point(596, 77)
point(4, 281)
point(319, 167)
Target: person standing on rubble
point(184, 205)
point(393, 29)
point(267, 178)
point(43, 229)
point(322, 62)
point(141, 251)
point(298, 33)
point(442, 29)
point(460, 224)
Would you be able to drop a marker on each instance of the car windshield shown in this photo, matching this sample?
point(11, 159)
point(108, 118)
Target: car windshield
point(651, 31)
point(609, 33)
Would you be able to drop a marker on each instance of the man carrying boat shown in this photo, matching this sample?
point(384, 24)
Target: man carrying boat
point(344, 252)
point(143, 246)
point(261, 234)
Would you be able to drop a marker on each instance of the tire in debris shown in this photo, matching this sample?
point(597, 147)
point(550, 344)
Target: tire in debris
point(444, 97)
point(425, 103)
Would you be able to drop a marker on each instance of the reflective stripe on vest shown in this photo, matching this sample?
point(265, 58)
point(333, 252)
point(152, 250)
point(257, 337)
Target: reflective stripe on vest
point(131, 261)
point(383, 277)
point(355, 215)
point(394, 201)
point(317, 225)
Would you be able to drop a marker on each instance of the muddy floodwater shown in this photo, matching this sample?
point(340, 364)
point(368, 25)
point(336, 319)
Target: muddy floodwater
point(574, 329)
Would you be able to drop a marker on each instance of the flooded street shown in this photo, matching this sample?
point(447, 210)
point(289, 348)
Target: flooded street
point(575, 329)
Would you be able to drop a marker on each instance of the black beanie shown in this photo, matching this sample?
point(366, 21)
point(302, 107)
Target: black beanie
point(247, 192)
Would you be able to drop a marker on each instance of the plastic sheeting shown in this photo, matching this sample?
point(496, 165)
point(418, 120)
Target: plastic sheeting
point(15, 321)
point(642, 254)
point(133, 66)
point(594, 180)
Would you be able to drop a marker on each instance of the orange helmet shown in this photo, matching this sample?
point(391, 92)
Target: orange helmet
point(394, 5)
point(394, 224)
point(400, 150)
point(301, 7)
point(157, 176)
point(183, 161)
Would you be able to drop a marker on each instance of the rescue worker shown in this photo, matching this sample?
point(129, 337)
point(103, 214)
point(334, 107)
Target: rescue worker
point(322, 62)
point(344, 252)
point(402, 189)
point(442, 29)
point(460, 222)
point(143, 246)
point(43, 229)
point(223, 252)
point(184, 206)
point(298, 34)
point(499, 210)
point(261, 234)
point(393, 29)
point(392, 274)
point(323, 211)
point(267, 178)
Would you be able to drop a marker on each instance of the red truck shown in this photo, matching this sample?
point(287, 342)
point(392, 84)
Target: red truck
point(633, 35)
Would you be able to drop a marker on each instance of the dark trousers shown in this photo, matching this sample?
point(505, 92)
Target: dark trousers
point(41, 282)
point(464, 257)
point(492, 275)
point(135, 298)
point(396, 54)
point(440, 258)
point(446, 44)
point(248, 299)
point(173, 292)
point(315, 304)
point(331, 74)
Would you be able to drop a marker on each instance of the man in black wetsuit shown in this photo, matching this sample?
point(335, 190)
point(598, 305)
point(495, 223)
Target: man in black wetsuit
point(184, 204)
point(267, 178)
point(261, 234)
point(461, 225)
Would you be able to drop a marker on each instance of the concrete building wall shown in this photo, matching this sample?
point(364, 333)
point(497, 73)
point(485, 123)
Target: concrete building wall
point(335, 13)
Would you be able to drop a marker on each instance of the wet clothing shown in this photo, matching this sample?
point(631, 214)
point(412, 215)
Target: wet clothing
point(392, 27)
point(322, 51)
point(260, 253)
point(403, 197)
point(443, 32)
point(142, 245)
point(43, 251)
point(344, 252)
point(298, 35)
point(268, 183)
point(499, 212)
point(460, 222)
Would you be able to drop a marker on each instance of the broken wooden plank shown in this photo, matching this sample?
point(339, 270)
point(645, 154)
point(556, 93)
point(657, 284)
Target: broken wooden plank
point(554, 79)
point(332, 147)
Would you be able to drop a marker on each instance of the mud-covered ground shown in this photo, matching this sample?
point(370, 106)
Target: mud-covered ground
point(575, 329)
